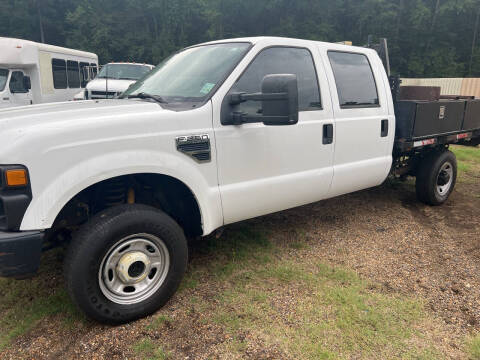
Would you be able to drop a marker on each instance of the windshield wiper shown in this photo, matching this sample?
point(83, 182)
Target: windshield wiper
point(143, 95)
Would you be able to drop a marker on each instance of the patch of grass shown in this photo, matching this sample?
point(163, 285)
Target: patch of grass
point(473, 347)
point(300, 241)
point(190, 281)
point(468, 161)
point(238, 247)
point(308, 310)
point(285, 273)
point(159, 321)
point(334, 314)
point(20, 318)
point(149, 350)
point(466, 153)
point(24, 303)
point(463, 167)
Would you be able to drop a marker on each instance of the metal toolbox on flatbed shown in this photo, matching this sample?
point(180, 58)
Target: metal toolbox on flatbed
point(418, 119)
point(472, 115)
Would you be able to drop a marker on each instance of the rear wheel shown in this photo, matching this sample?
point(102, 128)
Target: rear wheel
point(436, 177)
point(125, 263)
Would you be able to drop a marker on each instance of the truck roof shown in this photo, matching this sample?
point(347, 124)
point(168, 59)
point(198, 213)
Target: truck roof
point(292, 41)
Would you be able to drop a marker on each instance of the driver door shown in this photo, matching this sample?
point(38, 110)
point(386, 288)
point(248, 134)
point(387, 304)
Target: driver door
point(263, 169)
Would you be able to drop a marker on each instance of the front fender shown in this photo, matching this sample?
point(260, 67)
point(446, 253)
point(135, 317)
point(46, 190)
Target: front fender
point(59, 188)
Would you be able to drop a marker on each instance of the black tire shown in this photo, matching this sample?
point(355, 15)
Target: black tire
point(430, 174)
point(89, 249)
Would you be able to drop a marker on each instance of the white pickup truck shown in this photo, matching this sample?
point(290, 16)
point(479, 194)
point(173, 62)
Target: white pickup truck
point(218, 133)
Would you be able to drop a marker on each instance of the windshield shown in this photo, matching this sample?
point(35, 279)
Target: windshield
point(190, 75)
point(3, 78)
point(123, 71)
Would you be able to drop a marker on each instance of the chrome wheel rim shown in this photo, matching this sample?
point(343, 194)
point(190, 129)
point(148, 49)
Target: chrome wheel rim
point(134, 269)
point(444, 179)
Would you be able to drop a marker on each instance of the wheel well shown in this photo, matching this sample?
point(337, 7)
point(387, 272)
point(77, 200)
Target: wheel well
point(160, 191)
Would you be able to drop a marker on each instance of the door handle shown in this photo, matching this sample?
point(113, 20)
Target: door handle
point(327, 134)
point(384, 128)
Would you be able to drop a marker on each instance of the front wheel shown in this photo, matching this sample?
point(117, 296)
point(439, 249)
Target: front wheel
point(125, 263)
point(436, 177)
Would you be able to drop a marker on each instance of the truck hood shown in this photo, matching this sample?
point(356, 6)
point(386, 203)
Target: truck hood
point(20, 118)
point(114, 85)
point(37, 127)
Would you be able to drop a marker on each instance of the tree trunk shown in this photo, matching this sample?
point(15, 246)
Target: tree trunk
point(432, 27)
point(401, 7)
point(40, 22)
point(475, 32)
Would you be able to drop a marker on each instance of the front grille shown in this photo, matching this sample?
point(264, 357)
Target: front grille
point(102, 94)
point(3, 217)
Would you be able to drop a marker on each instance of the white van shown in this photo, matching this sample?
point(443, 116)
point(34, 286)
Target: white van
point(34, 73)
point(113, 79)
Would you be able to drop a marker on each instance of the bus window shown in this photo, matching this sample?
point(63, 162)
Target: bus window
point(83, 74)
point(73, 74)
point(59, 70)
point(94, 69)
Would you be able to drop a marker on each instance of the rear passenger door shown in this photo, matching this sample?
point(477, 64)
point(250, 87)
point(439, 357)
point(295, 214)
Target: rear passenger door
point(363, 126)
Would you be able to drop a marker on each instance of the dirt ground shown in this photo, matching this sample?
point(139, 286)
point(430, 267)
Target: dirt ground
point(399, 246)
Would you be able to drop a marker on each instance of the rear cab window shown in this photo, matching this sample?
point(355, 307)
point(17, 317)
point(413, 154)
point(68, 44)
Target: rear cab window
point(354, 79)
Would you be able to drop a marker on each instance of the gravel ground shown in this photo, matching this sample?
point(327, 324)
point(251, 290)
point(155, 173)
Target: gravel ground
point(388, 238)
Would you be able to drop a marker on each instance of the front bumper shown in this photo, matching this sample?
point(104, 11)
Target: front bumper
point(20, 253)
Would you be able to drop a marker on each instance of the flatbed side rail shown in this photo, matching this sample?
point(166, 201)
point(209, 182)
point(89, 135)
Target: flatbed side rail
point(403, 146)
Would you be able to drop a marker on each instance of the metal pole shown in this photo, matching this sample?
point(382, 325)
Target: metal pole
point(384, 44)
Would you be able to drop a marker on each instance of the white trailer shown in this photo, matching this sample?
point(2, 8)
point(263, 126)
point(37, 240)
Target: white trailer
point(34, 73)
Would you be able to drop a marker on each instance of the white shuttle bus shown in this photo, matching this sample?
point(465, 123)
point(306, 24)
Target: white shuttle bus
point(34, 73)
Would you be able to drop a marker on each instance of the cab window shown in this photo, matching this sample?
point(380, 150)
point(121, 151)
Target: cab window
point(281, 60)
point(354, 78)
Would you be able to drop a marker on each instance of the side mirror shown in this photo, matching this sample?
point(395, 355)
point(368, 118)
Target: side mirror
point(27, 84)
point(282, 111)
point(279, 99)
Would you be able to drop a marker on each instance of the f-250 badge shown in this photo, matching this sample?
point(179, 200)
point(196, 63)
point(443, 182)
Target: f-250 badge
point(195, 146)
